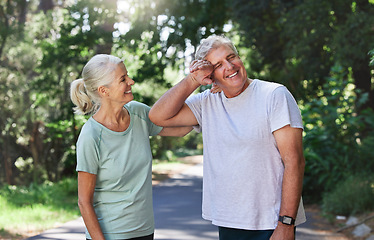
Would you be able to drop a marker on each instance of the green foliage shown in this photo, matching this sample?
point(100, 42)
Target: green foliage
point(53, 194)
point(333, 132)
point(371, 53)
point(353, 195)
point(38, 207)
point(166, 28)
point(302, 40)
point(293, 42)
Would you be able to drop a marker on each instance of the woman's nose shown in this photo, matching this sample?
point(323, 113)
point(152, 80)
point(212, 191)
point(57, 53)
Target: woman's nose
point(130, 82)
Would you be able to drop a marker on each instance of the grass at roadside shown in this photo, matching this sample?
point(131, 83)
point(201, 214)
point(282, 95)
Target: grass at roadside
point(26, 211)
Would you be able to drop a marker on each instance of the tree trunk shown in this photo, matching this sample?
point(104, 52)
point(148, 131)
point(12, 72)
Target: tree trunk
point(46, 5)
point(36, 147)
point(4, 32)
point(7, 162)
point(362, 77)
point(106, 47)
point(108, 29)
point(22, 13)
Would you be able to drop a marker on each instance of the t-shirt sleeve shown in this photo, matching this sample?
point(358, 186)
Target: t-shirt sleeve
point(142, 110)
point(194, 103)
point(87, 154)
point(284, 110)
point(153, 128)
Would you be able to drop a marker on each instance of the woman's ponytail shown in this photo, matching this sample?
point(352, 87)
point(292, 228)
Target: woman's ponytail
point(79, 96)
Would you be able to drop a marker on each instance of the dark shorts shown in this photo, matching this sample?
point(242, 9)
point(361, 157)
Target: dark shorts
point(149, 237)
point(240, 234)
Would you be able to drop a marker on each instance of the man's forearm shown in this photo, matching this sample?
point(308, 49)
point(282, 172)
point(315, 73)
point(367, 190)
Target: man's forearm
point(172, 101)
point(291, 189)
point(291, 194)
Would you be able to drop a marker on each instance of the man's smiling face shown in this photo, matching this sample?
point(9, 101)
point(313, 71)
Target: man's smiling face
point(229, 72)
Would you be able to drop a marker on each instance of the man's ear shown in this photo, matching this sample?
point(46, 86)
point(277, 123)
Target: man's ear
point(103, 91)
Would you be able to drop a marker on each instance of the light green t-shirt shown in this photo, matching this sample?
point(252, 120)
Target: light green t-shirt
point(122, 162)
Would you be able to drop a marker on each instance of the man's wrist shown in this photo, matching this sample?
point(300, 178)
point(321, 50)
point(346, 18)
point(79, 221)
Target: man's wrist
point(286, 220)
point(192, 81)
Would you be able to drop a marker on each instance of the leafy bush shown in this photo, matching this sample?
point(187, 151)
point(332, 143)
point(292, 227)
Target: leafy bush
point(334, 135)
point(353, 196)
point(37, 207)
point(60, 194)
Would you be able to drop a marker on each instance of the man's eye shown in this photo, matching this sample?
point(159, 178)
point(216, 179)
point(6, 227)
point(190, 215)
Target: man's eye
point(232, 57)
point(217, 66)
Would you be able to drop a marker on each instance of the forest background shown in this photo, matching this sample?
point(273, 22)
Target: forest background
point(322, 50)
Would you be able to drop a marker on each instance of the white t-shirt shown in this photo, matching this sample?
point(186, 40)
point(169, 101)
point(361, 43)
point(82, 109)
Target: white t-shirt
point(243, 170)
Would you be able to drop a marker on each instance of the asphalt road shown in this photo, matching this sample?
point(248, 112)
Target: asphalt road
point(177, 206)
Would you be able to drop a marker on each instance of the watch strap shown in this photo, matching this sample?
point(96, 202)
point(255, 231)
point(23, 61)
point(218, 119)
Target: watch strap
point(286, 220)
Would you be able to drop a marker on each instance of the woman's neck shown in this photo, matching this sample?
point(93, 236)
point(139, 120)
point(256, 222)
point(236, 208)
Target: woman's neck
point(117, 120)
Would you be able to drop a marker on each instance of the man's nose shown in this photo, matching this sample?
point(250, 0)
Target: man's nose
point(228, 64)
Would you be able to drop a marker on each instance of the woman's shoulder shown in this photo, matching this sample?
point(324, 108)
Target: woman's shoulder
point(136, 105)
point(90, 131)
point(138, 108)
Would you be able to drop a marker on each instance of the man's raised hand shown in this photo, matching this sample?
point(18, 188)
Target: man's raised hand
point(201, 71)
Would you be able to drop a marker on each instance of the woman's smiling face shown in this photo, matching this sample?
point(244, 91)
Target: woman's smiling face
point(229, 72)
point(120, 88)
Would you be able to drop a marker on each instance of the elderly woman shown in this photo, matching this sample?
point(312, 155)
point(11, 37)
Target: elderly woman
point(113, 153)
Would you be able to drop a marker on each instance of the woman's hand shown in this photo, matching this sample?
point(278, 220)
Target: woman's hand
point(215, 88)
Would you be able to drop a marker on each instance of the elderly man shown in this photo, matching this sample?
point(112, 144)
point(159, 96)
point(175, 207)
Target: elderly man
point(252, 136)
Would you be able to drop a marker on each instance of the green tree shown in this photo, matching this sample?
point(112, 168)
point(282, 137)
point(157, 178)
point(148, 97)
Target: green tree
point(302, 40)
point(44, 45)
point(166, 28)
point(81, 30)
point(44, 54)
point(16, 67)
point(331, 137)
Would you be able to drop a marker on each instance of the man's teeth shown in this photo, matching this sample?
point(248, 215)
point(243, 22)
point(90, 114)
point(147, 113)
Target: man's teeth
point(129, 91)
point(232, 75)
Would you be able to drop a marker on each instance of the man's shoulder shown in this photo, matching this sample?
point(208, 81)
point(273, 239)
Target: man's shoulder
point(206, 94)
point(267, 84)
point(265, 88)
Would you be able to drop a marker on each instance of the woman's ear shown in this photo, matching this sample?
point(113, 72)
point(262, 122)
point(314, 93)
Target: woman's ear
point(103, 91)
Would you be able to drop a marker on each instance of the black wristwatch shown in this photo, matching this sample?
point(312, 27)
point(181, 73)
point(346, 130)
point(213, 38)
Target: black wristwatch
point(286, 220)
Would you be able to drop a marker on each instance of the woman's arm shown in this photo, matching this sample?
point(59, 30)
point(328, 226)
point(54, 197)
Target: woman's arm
point(175, 131)
point(86, 188)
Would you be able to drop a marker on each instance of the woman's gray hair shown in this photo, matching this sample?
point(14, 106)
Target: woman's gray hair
point(99, 71)
point(213, 42)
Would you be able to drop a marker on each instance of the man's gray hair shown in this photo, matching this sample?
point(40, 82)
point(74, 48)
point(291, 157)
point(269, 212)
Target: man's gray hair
point(213, 42)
